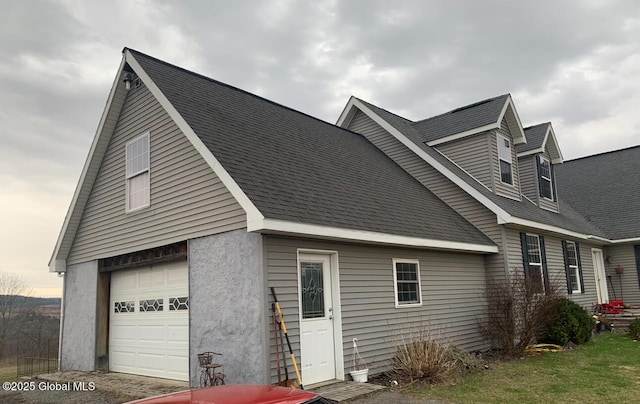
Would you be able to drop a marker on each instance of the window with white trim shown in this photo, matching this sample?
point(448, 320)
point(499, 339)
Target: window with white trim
point(504, 156)
point(406, 275)
point(572, 263)
point(545, 177)
point(137, 176)
point(534, 262)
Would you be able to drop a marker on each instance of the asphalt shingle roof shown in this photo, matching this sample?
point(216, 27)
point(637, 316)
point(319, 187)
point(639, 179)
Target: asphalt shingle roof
point(298, 168)
point(605, 188)
point(567, 218)
point(461, 119)
point(535, 136)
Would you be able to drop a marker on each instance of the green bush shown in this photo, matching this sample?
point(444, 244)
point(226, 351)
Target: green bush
point(572, 324)
point(634, 329)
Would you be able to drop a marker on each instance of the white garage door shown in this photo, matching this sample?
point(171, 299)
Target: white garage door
point(149, 321)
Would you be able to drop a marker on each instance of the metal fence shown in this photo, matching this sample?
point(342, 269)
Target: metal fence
point(37, 357)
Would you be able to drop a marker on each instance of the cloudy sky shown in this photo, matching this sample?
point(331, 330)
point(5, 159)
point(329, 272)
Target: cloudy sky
point(575, 63)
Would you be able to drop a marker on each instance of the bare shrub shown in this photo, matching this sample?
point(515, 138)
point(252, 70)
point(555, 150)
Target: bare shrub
point(518, 311)
point(422, 355)
point(13, 290)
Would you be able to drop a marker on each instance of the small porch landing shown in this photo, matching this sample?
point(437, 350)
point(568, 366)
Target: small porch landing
point(340, 391)
point(622, 320)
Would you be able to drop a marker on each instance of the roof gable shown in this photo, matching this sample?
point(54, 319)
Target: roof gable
point(541, 137)
point(469, 120)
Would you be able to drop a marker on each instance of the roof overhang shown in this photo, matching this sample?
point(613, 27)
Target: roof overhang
point(508, 113)
point(626, 240)
point(551, 141)
point(288, 228)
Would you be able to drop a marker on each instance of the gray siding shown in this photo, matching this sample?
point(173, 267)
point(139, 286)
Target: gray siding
point(452, 285)
point(510, 191)
point(555, 264)
point(187, 199)
point(451, 194)
point(624, 256)
point(528, 177)
point(471, 154)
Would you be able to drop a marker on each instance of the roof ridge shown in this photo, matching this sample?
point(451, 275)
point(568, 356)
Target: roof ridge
point(462, 108)
point(602, 153)
point(385, 110)
point(536, 125)
point(232, 87)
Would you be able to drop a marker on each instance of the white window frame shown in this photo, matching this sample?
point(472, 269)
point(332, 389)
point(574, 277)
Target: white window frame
point(395, 282)
point(545, 178)
point(504, 154)
point(537, 264)
point(129, 176)
point(575, 268)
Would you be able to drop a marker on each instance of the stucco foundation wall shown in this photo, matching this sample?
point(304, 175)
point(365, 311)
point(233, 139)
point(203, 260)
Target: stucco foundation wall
point(226, 305)
point(79, 324)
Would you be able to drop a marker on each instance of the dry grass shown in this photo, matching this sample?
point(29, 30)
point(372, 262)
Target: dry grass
point(422, 355)
point(8, 373)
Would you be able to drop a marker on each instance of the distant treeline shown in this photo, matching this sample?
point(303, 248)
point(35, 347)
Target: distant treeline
point(27, 301)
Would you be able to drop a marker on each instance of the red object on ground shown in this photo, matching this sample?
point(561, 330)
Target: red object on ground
point(618, 303)
point(237, 394)
point(608, 308)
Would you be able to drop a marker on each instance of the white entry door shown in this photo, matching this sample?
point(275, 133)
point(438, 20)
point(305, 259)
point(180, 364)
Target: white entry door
point(317, 345)
point(600, 275)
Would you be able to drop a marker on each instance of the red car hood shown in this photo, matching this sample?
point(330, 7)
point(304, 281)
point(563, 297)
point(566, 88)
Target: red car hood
point(233, 394)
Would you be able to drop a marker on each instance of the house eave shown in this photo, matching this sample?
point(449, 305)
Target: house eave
point(626, 240)
point(519, 222)
point(297, 229)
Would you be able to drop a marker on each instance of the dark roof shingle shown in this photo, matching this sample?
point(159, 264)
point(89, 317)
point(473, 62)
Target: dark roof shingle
point(298, 168)
point(535, 137)
point(605, 189)
point(461, 119)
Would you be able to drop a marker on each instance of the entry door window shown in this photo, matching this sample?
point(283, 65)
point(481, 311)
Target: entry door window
point(312, 279)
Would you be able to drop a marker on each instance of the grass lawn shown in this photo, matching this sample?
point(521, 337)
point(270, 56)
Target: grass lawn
point(604, 370)
point(8, 373)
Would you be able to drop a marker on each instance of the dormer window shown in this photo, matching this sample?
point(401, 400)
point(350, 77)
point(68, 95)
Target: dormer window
point(545, 177)
point(504, 154)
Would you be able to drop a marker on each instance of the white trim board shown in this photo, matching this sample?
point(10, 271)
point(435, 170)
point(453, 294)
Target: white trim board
point(276, 226)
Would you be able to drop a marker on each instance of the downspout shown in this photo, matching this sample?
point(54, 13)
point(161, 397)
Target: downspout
point(64, 281)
